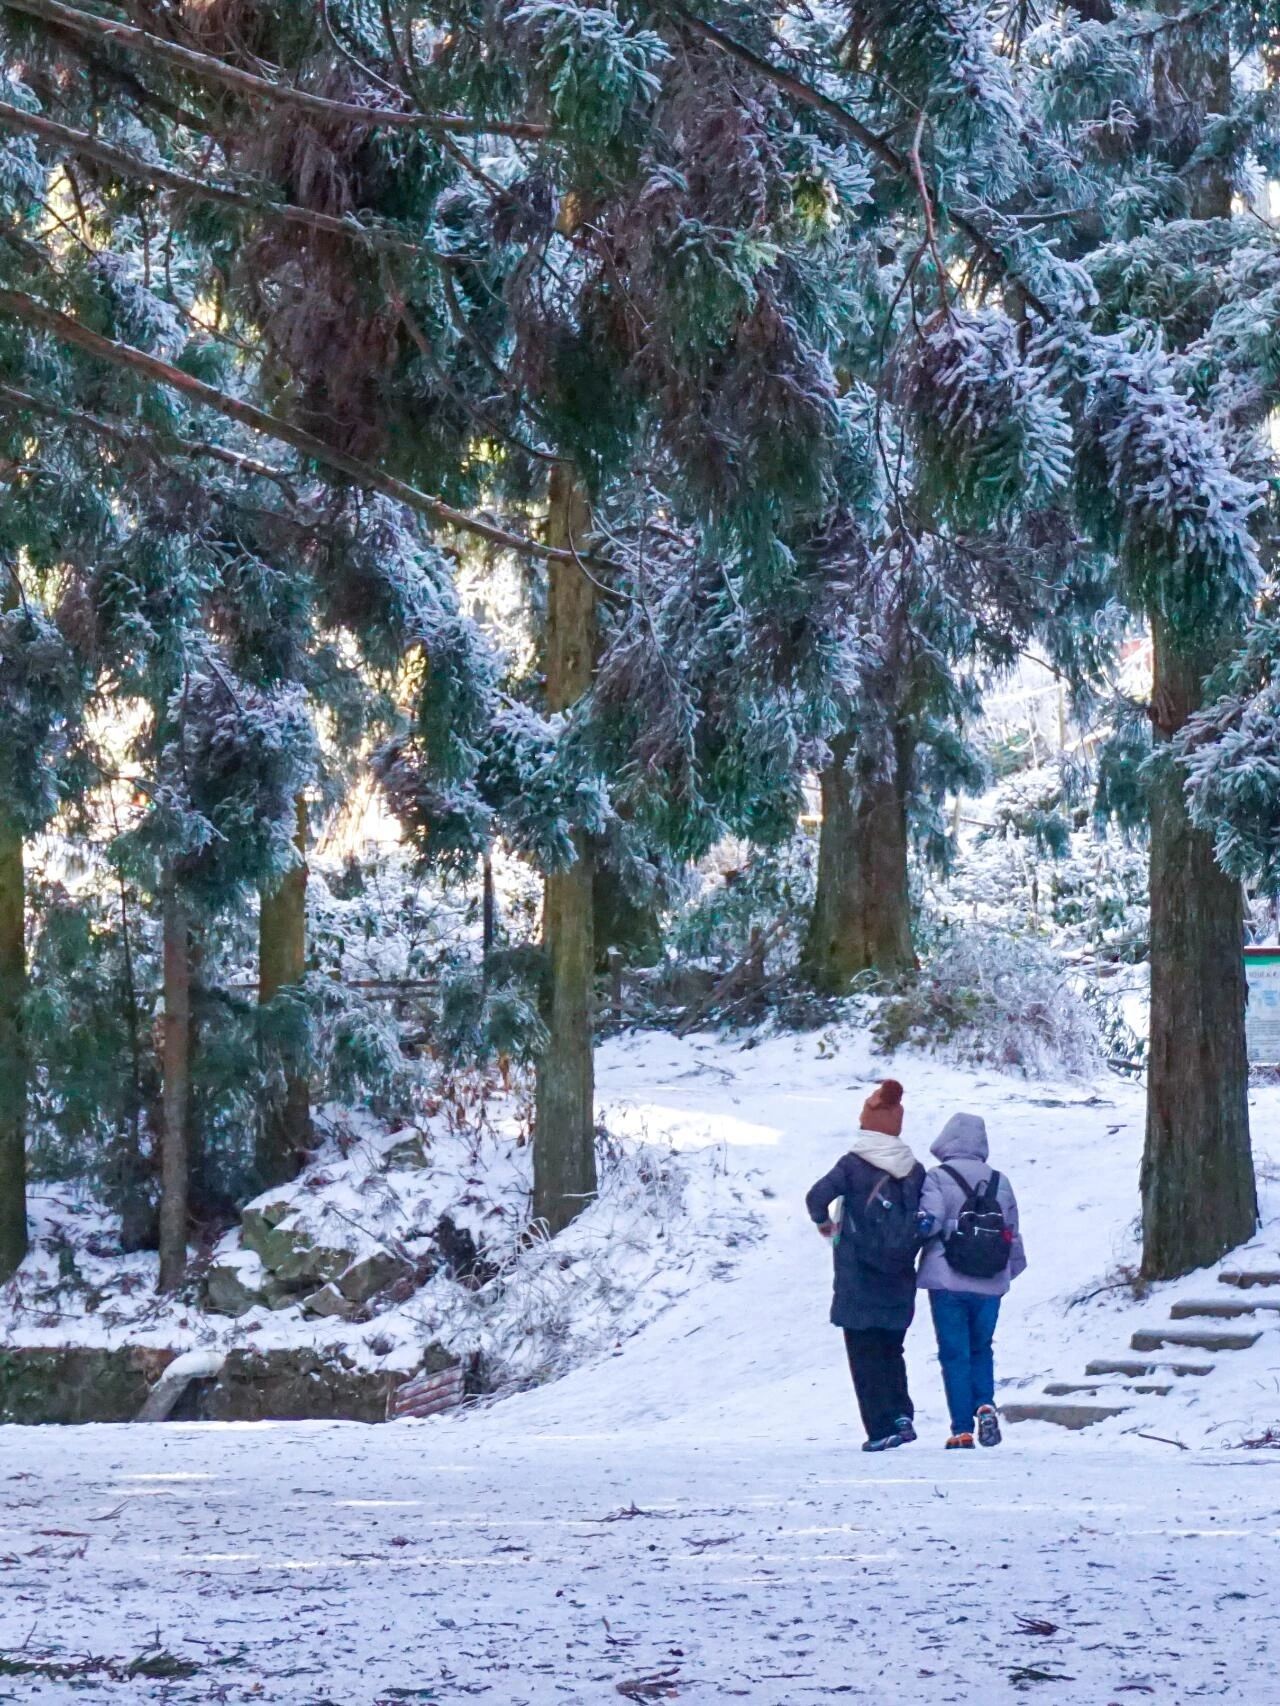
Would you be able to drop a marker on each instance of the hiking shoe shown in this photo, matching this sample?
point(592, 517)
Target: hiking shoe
point(885, 1444)
point(960, 1442)
point(988, 1425)
point(905, 1429)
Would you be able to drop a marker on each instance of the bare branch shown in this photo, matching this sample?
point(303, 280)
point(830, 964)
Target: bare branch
point(117, 433)
point(134, 166)
point(70, 331)
point(211, 69)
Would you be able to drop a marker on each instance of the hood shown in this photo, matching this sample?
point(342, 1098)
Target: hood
point(884, 1150)
point(963, 1138)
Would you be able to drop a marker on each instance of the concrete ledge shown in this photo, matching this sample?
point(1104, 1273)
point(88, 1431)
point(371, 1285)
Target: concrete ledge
point(1246, 1278)
point(1137, 1369)
point(1073, 1416)
point(1223, 1309)
point(1156, 1338)
point(1064, 1389)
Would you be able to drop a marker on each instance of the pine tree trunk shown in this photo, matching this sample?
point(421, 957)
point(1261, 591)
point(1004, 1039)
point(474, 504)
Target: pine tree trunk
point(861, 918)
point(284, 1133)
point(202, 1200)
point(488, 914)
point(13, 1058)
point(564, 1158)
point(1199, 1197)
point(131, 1192)
point(174, 1163)
point(1198, 1192)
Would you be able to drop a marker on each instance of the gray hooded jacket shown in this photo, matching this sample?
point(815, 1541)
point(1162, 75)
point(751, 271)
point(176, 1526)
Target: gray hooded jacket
point(962, 1144)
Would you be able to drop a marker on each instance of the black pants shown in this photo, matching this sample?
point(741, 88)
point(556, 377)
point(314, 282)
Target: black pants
point(879, 1373)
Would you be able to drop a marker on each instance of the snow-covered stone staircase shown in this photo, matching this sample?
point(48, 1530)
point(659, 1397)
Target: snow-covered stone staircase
point(1108, 1383)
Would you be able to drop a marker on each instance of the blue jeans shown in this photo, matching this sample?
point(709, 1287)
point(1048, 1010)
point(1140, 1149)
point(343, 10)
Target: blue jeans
point(965, 1324)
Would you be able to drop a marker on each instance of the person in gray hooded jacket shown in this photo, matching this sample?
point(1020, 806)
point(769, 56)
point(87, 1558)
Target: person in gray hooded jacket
point(966, 1306)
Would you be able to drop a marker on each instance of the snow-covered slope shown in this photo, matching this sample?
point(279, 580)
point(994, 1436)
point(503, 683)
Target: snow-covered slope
point(755, 1356)
point(694, 1295)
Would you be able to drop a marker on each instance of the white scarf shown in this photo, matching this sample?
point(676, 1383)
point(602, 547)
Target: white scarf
point(890, 1154)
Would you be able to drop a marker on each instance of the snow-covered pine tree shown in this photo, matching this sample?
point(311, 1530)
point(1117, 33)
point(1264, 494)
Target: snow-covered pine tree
point(124, 301)
point(43, 689)
point(966, 581)
point(1070, 175)
point(635, 242)
point(636, 267)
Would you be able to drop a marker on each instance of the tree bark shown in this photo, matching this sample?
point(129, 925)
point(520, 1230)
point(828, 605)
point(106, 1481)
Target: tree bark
point(564, 1156)
point(488, 914)
point(1199, 1198)
point(174, 1160)
point(284, 1133)
point(130, 1174)
point(13, 1054)
point(861, 919)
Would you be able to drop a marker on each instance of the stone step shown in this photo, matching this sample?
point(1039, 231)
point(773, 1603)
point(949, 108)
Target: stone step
point(1222, 1308)
point(1156, 1338)
point(1137, 1369)
point(1246, 1278)
point(1073, 1416)
point(1064, 1389)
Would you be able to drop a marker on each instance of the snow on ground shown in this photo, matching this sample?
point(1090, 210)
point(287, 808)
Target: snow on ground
point(451, 1562)
point(690, 1512)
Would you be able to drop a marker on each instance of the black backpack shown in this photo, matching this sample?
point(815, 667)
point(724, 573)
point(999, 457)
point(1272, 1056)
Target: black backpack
point(884, 1229)
point(981, 1243)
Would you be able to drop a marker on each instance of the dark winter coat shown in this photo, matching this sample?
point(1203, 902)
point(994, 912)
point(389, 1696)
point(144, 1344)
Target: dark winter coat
point(866, 1296)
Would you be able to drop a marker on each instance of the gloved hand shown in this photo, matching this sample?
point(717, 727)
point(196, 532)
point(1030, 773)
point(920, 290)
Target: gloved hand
point(827, 1229)
point(925, 1224)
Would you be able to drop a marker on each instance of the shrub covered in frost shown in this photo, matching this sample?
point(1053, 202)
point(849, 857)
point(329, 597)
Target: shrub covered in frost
point(771, 884)
point(991, 999)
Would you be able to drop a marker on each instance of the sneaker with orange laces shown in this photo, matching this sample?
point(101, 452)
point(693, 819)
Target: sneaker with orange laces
point(960, 1442)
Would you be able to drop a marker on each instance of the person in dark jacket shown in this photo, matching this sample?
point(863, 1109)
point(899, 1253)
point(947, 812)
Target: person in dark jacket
point(873, 1304)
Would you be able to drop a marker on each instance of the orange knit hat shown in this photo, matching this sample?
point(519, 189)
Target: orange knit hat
point(882, 1110)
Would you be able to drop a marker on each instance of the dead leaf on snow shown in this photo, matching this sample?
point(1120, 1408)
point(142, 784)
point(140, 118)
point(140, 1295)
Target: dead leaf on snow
point(660, 1686)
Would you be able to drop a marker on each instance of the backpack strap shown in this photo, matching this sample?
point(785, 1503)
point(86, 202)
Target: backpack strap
point(880, 1180)
point(992, 1192)
point(971, 1192)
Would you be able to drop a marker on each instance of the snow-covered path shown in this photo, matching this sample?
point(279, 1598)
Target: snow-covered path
point(314, 1564)
point(691, 1514)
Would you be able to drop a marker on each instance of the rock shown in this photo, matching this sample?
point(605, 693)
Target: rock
point(75, 1384)
point(260, 1232)
point(298, 1385)
point(461, 1256)
point(408, 1151)
point(277, 1296)
point(329, 1301)
point(233, 1284)
point(371, 1274)
point(308, 1264)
